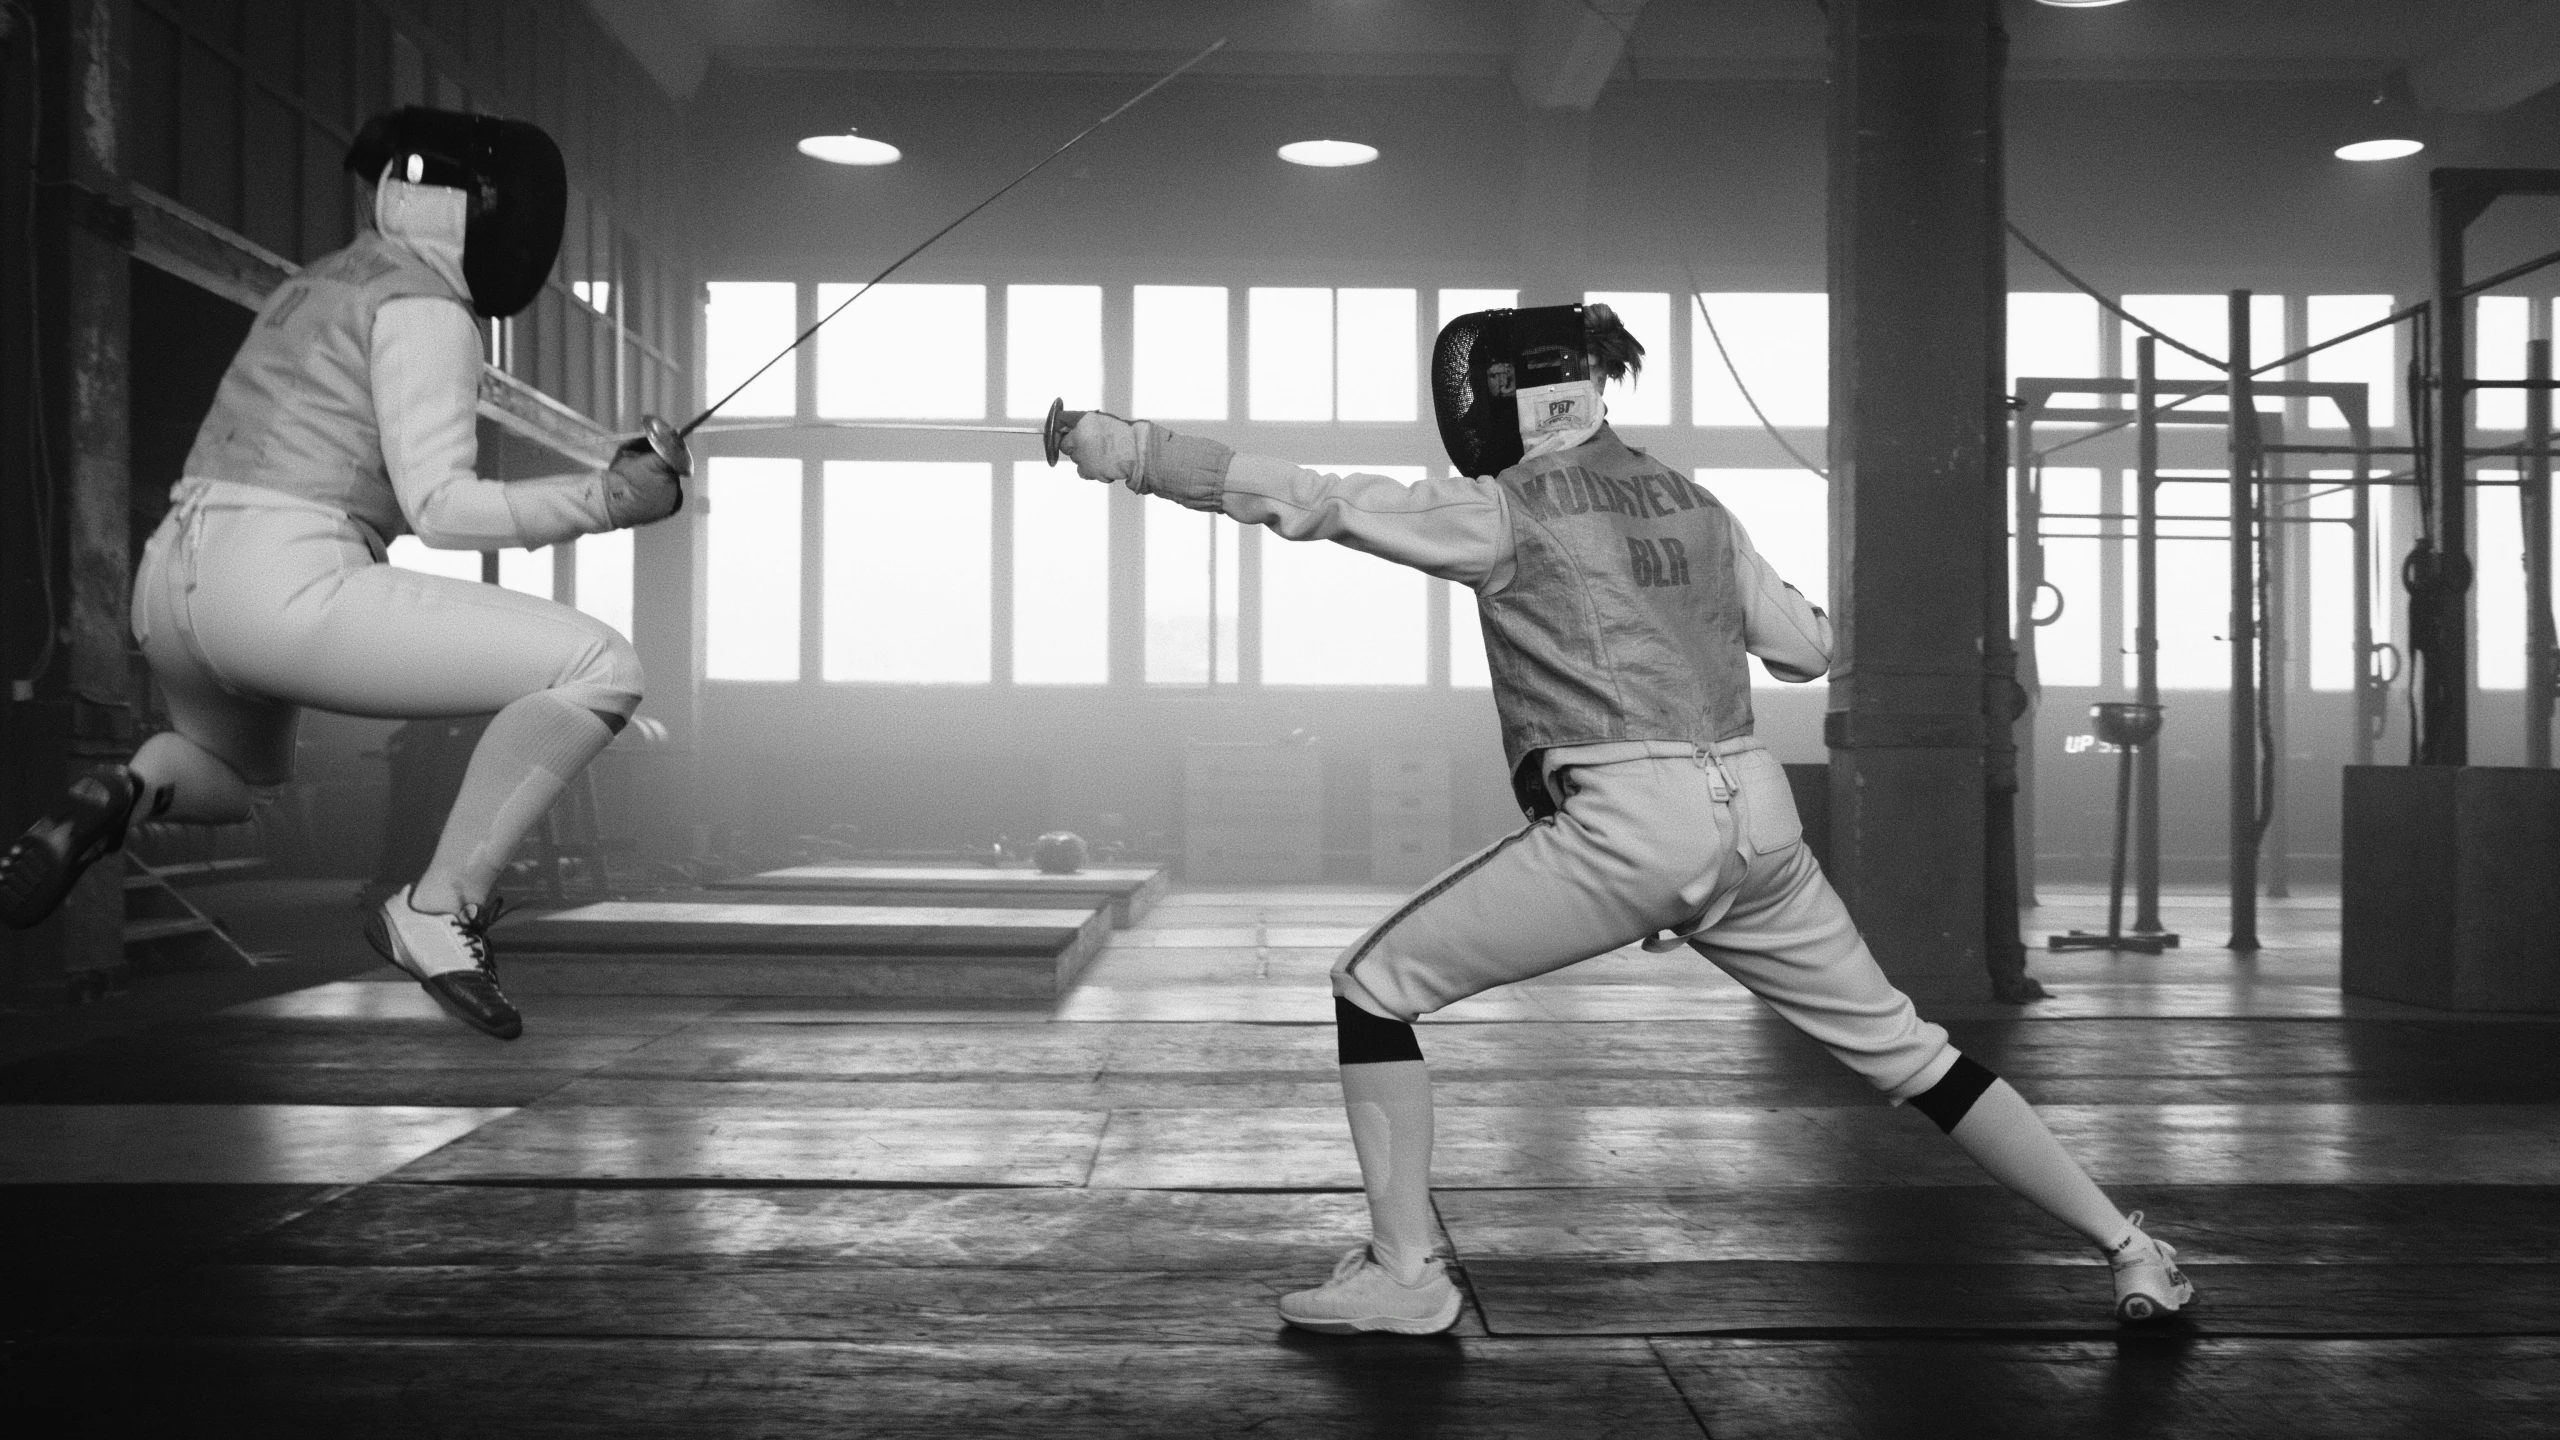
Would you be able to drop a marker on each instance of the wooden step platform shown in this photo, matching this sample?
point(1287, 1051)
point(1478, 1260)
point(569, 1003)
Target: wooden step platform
point(1131, 891)
point(742, 947)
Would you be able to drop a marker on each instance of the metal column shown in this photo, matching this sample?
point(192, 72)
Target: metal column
point(2146, 633)
point(2535, 506)
point(2244, 632)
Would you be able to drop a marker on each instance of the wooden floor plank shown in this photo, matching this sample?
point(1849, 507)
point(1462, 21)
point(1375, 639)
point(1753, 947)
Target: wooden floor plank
point(1740, 1297)
point(1984, 1224)
point(588, 1145)
point(2119, 1390)
point(1023, 1229)
point(645, 1389)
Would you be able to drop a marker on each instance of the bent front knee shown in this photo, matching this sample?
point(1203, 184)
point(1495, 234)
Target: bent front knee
point(605, 676)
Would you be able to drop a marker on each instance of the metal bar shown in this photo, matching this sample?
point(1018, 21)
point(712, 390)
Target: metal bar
point(2275, 674)
point(2360, 549)
point(2535, 505)
point(2243, 728)
point(2146, 639)
point(2444, 642)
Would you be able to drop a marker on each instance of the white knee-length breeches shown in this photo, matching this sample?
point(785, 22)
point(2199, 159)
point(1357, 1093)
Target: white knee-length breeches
point(251, 604)
point(1703, 845)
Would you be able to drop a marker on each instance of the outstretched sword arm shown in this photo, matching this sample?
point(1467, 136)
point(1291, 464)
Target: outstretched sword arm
point(669, 440)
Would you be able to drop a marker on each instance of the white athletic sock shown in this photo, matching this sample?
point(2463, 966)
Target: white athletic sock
point(521, 765)
point(2006, 1137)
point(1390, 1109)
point(203, 789)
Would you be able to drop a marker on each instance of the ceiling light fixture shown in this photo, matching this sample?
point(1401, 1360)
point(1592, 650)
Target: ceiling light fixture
point(1328, 154)
point(2380, 149)
point(2080, 4)
point(849, 149)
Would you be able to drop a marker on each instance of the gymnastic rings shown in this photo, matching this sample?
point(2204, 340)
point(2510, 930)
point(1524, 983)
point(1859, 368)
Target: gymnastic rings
point(2060, 603)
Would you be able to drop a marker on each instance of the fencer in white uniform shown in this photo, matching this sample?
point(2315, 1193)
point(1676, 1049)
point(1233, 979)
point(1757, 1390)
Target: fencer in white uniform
point(1619, 600)
point(349, 418)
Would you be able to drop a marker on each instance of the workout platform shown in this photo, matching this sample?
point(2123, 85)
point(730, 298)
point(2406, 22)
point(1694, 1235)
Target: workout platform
point(736, 947)
point(1130, 891)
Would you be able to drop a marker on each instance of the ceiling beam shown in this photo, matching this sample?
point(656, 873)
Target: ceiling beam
point(1567, 50)
point(2496, 67)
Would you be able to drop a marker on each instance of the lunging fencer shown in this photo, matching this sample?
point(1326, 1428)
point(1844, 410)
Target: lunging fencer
point(1618, 601)
point(346, 419)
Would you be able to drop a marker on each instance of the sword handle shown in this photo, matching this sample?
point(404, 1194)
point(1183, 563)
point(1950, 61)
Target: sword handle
point(669, 444)
point(1053, 431)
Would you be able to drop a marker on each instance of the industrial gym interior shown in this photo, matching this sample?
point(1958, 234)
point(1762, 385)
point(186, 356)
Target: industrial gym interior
point(926, 1019)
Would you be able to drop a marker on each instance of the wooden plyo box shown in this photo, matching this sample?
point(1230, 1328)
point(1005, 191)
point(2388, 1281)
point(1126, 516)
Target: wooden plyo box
point(2450, 891)
point(1129, 891)
point(644, 947)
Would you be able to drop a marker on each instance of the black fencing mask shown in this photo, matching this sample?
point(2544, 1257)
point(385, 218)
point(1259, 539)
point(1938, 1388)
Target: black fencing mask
point(1503, 379)
point(517, 191)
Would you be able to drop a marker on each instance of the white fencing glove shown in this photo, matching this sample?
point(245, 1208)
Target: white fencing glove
point(639, 487)
point(1107, 448)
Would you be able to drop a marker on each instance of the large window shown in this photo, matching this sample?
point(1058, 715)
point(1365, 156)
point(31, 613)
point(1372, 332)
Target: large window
point(2368, 360)
point(906, 592)
point(2052, 335)
point(1469, 669)
point(1641, 399)
point(746, 323)
point(1192, 595)
point(2499, 329)
point(1179, 368)
point(1052, 348)
point(2194, 583)
point(2204, 321)
point(904, 352)
point(1061, 577)
point(2333, 577)
point(2067, 649)
point(604, 578)
point(529, 572)
point(1781, 346)
point(1334, 616)
point(1332, 354)
point(410, 553)
point(2498, 602)
point(753, 579)
point(1787, 515)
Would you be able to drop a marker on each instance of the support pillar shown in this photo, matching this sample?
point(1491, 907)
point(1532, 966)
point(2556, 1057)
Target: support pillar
point(79, 711)
point(1917, 297)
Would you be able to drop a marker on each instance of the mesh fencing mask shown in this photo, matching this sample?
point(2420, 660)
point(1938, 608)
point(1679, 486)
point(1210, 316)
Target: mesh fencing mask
point(516, 191)
point(1504, 380)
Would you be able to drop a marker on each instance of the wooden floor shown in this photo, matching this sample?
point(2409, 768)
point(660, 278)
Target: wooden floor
point(333, 1212)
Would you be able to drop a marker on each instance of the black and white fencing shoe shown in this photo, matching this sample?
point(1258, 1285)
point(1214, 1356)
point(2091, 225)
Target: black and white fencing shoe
point(449, 955)
point(2149, 1284)
point(1363, 1296)
point(45, 861)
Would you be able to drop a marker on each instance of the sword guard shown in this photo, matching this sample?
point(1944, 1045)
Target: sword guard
point(669, 445)
point(1053, 431)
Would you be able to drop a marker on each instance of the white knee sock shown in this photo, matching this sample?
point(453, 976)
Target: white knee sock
point(203, 789)
point(1390, 1109)
point(2006, 1137)
point(520, 766)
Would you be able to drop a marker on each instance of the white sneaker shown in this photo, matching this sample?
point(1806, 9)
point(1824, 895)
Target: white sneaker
point(2149, 1284)
point(1363, 1296)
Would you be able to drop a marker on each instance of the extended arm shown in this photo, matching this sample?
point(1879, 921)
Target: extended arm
point(426, 389)
point(1789, 633)
point(1456, 529)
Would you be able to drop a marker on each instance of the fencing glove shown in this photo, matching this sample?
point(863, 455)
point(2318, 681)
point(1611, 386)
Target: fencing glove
point(639, 487)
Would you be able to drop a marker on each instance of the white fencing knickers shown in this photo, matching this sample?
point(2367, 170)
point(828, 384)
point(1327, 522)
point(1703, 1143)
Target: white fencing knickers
point(251, 604)
point(1702, 844)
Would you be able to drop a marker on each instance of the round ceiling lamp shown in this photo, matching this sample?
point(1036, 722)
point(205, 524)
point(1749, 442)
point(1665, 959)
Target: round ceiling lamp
point(1328, 154)
point(849, 149)
point(2080, 4)
point(2391, 149)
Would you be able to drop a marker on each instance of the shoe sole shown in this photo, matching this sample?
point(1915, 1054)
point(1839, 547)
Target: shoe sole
point(2144, 1309)
point(377, 933)
point(1392, 1324)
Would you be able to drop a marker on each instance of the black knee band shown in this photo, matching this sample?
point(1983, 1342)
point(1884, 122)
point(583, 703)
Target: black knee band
point(1947, 1101)
point(1364, 1039)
